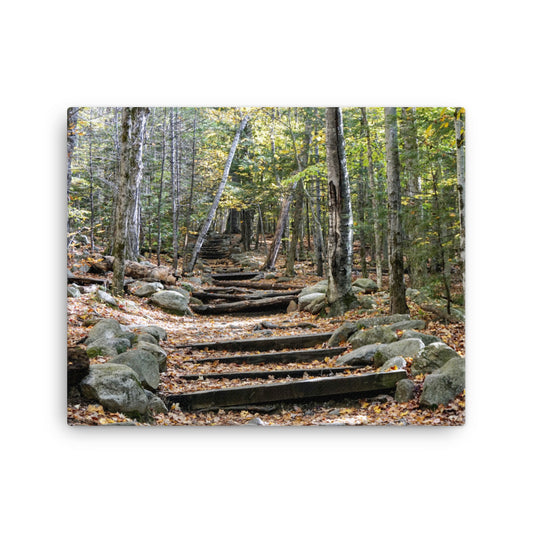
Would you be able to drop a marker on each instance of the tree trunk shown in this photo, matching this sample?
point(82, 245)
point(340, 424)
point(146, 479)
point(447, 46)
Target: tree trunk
point(131, 148)
point(218, 196)
point(175, 168)
point(396, 278)
point(270, 262)
point(191, 191)
point(416, 259)
point(378, 245)
point(460, 143)
point(361, 204)
point(160, 195)
point(72, 122)
point(340, 235)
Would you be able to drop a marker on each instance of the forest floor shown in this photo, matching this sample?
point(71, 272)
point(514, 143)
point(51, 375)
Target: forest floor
point(378, 410)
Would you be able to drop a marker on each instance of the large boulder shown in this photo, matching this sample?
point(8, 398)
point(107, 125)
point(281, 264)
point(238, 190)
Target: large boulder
point(144, 289)
point(172, 302)
point(381, 320)
point(375, 335)
point(405, 390)
point(342, 333)
point(362, 356)
point(366, 284)
point(107, 328)
point(159, 333)
point(404, 348)
point(431, 358)
point(395, 363)
point(73, 291)
point(158, 352)
point(443, 385)
point(408, 324)
point(116, 387)
point(320, 287)
point(107, 347)
point(312, 302)
point(426, 339)
point(106, 298)
point(143, 363)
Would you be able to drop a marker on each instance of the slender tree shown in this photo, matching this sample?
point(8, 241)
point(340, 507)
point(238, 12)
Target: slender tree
point(175, 168)
point(340, 235)
point(218, 196)
point(378, 245)
point(398, 303)
point(72, 120)
point(131, 167)
point(459, 123)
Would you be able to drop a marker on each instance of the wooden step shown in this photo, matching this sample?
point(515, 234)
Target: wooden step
point(224, 276)
point(244, 305)
point(262, 285)
point(274, 357)
point(294, 390)
point(261, 344)
point(265, 374)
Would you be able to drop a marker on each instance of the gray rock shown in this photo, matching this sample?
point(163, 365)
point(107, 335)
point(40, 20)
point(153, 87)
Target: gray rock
point(363, 356)
point(412, 293)
point(116, 387)
point(381, 320)
point(108, 347)
point(342, 333)
point(108, 328)
point(158, 352)
point(143, 363)
point(321, 287)
point(405, 390)
point(145, 337)
point(155, 404)
point(367, 284)
point(367, 302)
point(375, 335)
point(255, 422)
point(172, 302)
point(444, 384)
point(106, 298)
point(404, 348)
point(431, 358)
point(398, 361)
point(408, 324)
point(156, 331)
point(311, 300)
point(426, 339)
point(145, 289)
point(73, 291)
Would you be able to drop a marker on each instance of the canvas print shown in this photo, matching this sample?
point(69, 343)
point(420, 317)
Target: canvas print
point(266, 266)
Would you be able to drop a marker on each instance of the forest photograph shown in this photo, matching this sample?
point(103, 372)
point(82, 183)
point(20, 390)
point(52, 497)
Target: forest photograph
point(268, 266)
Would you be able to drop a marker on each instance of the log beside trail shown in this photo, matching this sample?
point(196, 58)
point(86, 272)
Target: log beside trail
point(293, 390)
point(262, 343)
point(243, 305)
point(296, 356)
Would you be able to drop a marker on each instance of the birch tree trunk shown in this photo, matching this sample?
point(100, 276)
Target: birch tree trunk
point(378, 245)
point(218, 196)
point(396, 279)
point(160, 195)
point(131, 167)
point(72, 121)
point(175, 168)
point(340, 235)
point(416, 259)
point(460, 143)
